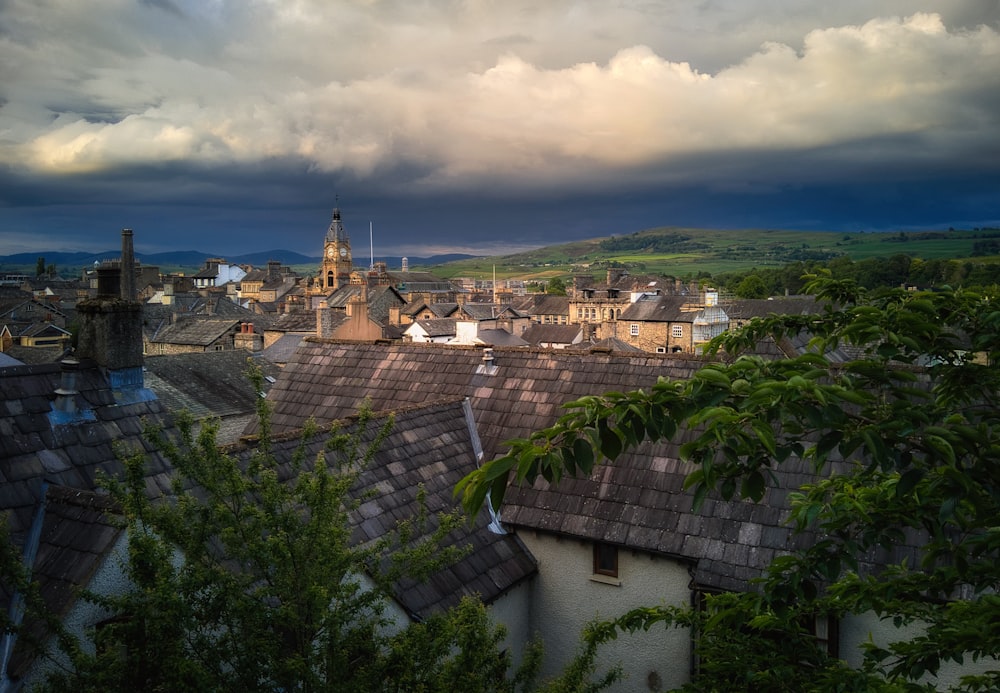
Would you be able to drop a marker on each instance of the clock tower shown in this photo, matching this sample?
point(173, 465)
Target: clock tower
point(335, 271)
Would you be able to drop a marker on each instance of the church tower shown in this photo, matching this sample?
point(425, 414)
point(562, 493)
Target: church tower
point(337, 261)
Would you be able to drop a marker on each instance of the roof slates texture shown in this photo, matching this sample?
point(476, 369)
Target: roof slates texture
point(429, 447)
point(638, 501)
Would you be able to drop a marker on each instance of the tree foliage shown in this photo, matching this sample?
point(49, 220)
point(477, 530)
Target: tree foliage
point(914, 419)
point(556, 287)
point(247, 580)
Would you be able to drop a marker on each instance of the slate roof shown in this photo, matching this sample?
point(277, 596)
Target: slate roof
point(542, 304)
point(488, 311)
point(747, 308)
point(282, 350)
point(33, 449)
point(194, 331)
point(439, 310)
point(551, 334)
point(524, 390)
point(8, 360)
point(78, 529)
point(499, 337)
point(34, 355)
point(303, 321)
point(44, 329)
point(658, 309)
point(607, 344)
point(441, 327)
point(380, 299)
point(36, 452)
point(638, 502)
point(432, 446)
point(208, 384)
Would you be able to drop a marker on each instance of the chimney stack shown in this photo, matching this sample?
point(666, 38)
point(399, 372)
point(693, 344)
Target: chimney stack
point(111, 326)
point(128, 267)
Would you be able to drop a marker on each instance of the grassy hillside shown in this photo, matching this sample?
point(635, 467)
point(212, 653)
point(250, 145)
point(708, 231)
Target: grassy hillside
point(683, 252)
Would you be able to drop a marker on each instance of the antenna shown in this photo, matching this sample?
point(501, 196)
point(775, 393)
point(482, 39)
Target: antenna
point(371, 242)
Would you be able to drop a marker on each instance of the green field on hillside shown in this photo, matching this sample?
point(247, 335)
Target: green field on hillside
point(683, 252)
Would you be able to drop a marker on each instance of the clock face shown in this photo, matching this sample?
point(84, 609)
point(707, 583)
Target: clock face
point(329, 252)
point(343, 251)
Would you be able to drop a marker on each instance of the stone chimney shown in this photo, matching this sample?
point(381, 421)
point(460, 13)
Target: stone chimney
point(247, 338)
point(324, 320)
point(111, 327)
point(128, 267)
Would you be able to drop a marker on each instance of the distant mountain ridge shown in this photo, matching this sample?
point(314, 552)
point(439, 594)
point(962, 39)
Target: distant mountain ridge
point(195, 258)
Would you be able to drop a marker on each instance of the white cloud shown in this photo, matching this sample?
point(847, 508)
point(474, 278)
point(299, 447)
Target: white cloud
point(468, 93)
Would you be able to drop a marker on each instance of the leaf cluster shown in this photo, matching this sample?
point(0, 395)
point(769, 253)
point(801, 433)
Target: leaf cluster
point(246, 578)
point(903, 440)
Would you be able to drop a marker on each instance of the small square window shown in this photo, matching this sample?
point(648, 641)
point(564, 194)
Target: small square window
point(633, 330)
point(605, 559)
point(677, 331)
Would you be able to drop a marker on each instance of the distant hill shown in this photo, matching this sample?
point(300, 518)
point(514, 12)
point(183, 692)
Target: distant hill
point(195, 259)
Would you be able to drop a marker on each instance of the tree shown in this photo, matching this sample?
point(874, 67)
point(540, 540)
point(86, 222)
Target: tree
point(915, 420)
point(752, 286)
point(40, 266)
point(556, 287)
point(247, 580)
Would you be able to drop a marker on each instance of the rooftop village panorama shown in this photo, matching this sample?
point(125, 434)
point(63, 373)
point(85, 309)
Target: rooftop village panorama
point(464, 368)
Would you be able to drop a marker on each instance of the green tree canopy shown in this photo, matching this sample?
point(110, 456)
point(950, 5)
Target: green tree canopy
point(556, 287)
point(914, 417)
point(248, 580)
point(752, 286)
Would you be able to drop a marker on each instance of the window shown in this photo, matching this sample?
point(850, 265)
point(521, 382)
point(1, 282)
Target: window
point(677, 331)
point(661, 350)
point(605, 559)
point(633, 330)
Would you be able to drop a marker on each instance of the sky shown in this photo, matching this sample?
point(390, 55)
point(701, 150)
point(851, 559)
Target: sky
point(489, 126)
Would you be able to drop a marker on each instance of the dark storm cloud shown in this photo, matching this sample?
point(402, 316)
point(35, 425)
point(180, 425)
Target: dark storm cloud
point(483, 126)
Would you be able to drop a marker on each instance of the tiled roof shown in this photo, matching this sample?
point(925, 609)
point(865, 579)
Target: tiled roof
point(297, 321)
point(8, 360)
point(78, 529)
point(380, 299)
point(194, 331)
point(488, 311)
point(658, 309)
point(551, 334)
point(500, 337)
point(281, 351)
point(441, 327)
point(32, 448)
point(343, 295)
point(33, 355)
point(212, 383)
point(524, 390)
point(639, 501)
point(36, 451)
point(432, 446)
point(746, 308)
point(608, 344)
point(44, 329)
point(542, 304)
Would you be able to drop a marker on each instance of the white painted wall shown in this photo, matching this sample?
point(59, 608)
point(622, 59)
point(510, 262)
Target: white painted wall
point(565, 598)
point(513, 610)
point(109, 579)
point(855, 630)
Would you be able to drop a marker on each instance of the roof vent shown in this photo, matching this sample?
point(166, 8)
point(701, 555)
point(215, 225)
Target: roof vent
point(488, 366)
point(64, 407)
